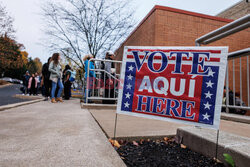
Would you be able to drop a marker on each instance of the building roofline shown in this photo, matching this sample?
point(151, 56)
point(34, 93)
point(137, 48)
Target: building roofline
point(237, 3)
point(158, 7)
point(192, 13)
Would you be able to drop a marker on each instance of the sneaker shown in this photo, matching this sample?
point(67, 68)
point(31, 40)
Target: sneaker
point(46, 99)
point(58, 99)
point(53, 100)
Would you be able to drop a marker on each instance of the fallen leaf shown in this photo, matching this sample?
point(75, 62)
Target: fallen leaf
point(135, 143)
point(165, 138)
point(112, 142)
point(183, 146)
point(116, 144)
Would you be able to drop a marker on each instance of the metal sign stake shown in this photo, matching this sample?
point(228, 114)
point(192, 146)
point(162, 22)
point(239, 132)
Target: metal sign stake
point(115, 125)
point(217, 141)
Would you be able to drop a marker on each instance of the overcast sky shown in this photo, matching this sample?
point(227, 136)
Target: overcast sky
point(28, 22)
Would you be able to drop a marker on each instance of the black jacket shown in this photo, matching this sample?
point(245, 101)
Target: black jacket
point(45, 71)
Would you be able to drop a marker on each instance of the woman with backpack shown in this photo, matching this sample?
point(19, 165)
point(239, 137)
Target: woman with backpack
point(67, 82)
point(56, 78)
point(32, 85)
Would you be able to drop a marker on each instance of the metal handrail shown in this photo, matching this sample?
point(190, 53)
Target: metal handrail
point(100, 70)
point(239, 53)
point(226, 30)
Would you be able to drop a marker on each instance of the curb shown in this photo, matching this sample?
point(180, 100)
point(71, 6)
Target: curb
point(20, 96)
point(2, 86)
point(9, 106)
point(98, 106)
point(236, 118)
point(137, 138)
point(204, 142)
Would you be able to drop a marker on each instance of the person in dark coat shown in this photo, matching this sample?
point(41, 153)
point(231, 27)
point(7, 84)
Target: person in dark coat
point(26, 78)
point(66, 82)
point(46, 82)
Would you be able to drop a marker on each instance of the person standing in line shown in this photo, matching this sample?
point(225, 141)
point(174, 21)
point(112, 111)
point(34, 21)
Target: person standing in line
point(91, 78)
point(67, 83)
point(109, 81)
point(45, 79)
point(56, 78)
point(26, 78)
point(32, 86)
point(38, 83)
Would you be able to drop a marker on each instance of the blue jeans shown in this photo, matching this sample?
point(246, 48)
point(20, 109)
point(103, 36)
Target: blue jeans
point(54, 86)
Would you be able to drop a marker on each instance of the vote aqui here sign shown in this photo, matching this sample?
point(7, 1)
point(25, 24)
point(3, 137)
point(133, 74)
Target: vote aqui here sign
point(179, 84)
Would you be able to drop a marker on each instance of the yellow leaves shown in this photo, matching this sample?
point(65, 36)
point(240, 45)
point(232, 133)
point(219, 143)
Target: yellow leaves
point(24, 57)
point(165, 138)
point(9, 53)
point(183, 146)
point(39, 65)
point(114, 143)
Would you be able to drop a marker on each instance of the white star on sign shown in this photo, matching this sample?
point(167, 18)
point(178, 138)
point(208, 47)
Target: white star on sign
point(208, 94)
point(130, 68)
point(130, 77)
point(210, 72)
point(128, 95)
point(209, 84)
point(129, 86)
point(126, 105)
point(207, 106)
point(205, 116)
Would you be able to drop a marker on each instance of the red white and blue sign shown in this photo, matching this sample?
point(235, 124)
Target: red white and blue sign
point(179, 84)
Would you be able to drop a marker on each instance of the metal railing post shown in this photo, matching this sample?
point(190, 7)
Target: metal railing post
point(227, 90)
point(248, 85)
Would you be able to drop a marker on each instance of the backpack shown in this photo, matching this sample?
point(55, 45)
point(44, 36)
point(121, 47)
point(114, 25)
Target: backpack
point(72, 77)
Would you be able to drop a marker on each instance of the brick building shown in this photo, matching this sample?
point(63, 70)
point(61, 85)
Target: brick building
point(165, 26)
point(236, 11)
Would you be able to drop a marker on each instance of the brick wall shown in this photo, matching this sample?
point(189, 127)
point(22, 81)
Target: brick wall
point(172, 27)
point(236, 11)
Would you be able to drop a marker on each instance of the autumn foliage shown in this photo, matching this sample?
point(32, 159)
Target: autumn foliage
point(10, 55)
point(14, 62)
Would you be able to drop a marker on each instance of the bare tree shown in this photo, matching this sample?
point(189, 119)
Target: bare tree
point(87, 26)
point(6, 22)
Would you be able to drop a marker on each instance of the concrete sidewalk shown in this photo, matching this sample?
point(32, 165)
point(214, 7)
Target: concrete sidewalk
point(129, 126)
point(45, 134)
